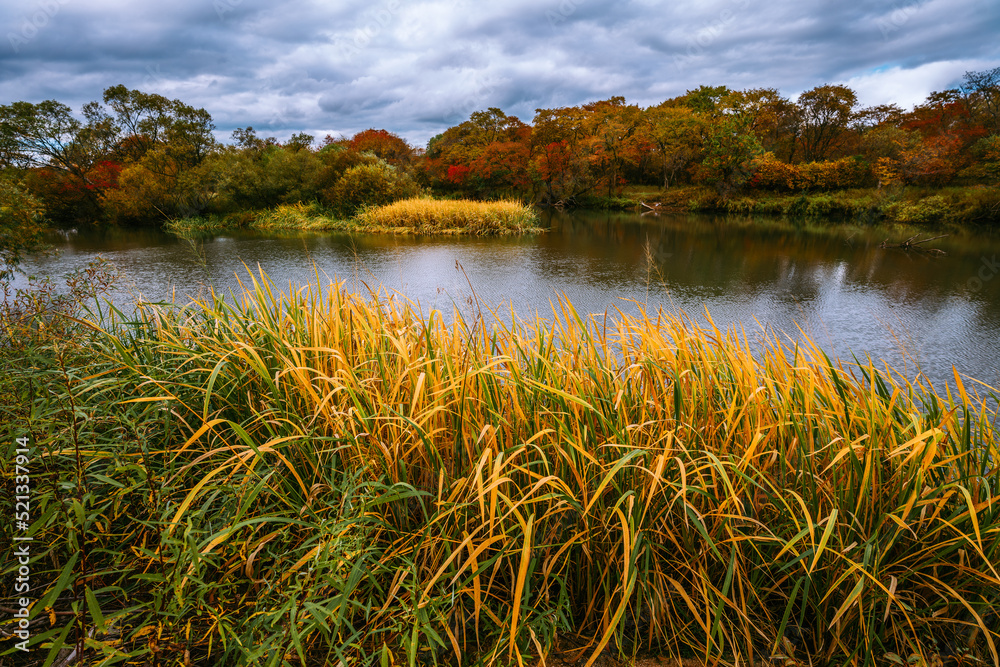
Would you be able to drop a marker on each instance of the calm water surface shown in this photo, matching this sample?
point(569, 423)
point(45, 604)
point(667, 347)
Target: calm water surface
point(919, 312)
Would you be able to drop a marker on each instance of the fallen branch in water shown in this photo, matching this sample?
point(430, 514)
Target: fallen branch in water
point(910, 244)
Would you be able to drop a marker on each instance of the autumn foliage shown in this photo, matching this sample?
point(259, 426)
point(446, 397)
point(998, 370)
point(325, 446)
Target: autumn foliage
point(142, 158)
point(732, 140)
point(383, 144)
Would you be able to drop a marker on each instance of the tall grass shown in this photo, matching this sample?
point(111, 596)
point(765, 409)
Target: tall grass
point(458, 216)
point(312, 476)
point(297, 216)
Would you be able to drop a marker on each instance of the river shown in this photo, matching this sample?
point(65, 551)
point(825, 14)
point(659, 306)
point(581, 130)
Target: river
point(918, 311)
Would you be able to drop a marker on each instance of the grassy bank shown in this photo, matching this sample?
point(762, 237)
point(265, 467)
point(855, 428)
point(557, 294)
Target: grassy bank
point(909, 205)
point(418, 216)
point(321, 476)
point(287, 217)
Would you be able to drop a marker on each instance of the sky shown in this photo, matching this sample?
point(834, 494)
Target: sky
point(418, 67)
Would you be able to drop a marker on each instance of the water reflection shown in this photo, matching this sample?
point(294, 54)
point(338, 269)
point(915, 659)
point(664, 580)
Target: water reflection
point(915, 310)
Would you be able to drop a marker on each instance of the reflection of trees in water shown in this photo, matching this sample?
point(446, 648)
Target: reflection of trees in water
point(700, 250)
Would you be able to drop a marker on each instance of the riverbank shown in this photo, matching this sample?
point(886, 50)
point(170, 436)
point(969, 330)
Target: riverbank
point(921, 207)
point(971, 205)
point(328, 475)
point(410, 216)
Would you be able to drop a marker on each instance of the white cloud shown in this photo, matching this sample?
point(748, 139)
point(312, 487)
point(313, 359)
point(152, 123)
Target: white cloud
point(908, 87)
point(417, 66)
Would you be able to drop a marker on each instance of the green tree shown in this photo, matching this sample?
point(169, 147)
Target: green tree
point(142, 121)
point(43, 135)
point(729, 155)
point(300, 142)
point(22, 223)
point(247, 139)
point(705, 99)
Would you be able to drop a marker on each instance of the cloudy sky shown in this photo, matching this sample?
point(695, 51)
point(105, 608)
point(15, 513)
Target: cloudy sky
point(417, 67)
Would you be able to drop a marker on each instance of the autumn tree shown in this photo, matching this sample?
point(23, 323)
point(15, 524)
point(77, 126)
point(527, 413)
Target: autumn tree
point(453, 157)
point(879, 115)
point(612, 125)
point(986, 166)
point(825, 112)
point(675, 134)
point(501, 166)
point(383, 144)
point(560, 173)
point(932, 160)
point(560, 144)
point(768, 115)
point(885, 141)
point(565, 124)
point(982, 94)
point(494, 125)
point(47, 139)
point(945, 113)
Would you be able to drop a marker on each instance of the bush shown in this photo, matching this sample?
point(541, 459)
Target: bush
point(337, 161)
point(928, 209)
point(371, 185)
point(770, 173)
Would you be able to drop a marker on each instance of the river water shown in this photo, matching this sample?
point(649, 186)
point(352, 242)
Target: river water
point(920, 312)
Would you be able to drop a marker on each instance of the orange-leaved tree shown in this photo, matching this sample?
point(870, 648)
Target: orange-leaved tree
point(383, 144)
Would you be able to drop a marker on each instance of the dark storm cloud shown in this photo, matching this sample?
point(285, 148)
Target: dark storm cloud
point(418, 67)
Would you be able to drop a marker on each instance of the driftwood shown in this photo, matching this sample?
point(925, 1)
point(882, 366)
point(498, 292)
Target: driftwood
point(655, 208)
point(910, 244)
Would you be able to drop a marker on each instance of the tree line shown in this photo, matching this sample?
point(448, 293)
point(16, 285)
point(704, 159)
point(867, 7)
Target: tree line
point(731, 140)
point(139, 157)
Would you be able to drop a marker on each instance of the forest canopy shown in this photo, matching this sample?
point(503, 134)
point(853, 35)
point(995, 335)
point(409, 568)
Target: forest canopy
point(141, 158)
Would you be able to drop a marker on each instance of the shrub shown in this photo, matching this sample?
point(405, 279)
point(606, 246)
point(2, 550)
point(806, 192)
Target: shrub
point(371, 185)
point(337, 161)
point(770, 173)
point(928, 209)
